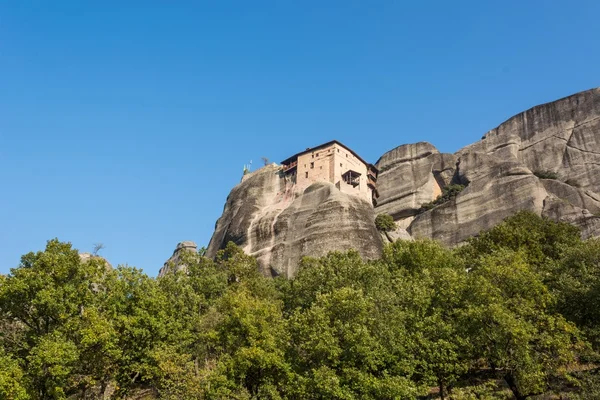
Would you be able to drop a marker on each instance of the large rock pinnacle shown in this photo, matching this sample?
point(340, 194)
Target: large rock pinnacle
point(268, 219)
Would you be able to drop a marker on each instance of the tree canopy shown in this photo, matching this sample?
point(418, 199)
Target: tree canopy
point(510, 313)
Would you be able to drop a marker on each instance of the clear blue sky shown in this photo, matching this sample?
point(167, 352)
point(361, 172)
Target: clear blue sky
point(128, 122)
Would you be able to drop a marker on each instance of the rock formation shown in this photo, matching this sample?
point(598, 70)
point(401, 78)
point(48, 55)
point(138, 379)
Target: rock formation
point(502, 173)
point(174, 263)
point(546, 159)
point(265, 216)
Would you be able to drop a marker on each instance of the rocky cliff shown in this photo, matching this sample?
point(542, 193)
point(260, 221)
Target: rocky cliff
point(506, 171)
point(265, 216)
point(546, 159)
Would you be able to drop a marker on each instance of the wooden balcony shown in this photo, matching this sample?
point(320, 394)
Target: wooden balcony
point(371, 182)
point(372, 174)
point(351, 178)
point(289, 167)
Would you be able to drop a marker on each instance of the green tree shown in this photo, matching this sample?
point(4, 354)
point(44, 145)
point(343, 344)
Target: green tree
point(348, 335)
point(249, 339)
point(342, 347)
point(512, 325)
point(141, 323)
point(44, 303)
point(13, 381)
point(51, 365)
point(336, 270)
point(576, 283)
point(430, 282)
point(541, 240)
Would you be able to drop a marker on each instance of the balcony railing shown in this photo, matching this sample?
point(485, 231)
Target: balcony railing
point(290, 166)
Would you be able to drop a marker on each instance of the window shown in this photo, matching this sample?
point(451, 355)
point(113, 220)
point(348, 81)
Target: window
point(341, 165)
point(321, 167)
point(317, 154)
point(306, 174)
point(313, 155)
point(338, 150)
point(346, 155)
point(312, 165)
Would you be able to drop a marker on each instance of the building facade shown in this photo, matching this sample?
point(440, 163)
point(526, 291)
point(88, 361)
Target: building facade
point(335, 163)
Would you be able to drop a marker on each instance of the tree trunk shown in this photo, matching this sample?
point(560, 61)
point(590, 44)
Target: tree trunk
point(103, 386)
point(512, 384)
point(441, 386)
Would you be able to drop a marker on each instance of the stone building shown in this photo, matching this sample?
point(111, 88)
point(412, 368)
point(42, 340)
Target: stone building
point(335, 163)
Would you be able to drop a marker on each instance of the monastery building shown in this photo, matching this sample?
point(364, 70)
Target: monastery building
point(335, 163)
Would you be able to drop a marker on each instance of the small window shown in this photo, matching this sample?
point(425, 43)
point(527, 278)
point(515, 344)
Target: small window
point(341, 165)
point(338, 150)
point(312, 165)
point(317, 154)
point(313, 156)
point(306, 174)
point(321, 167)
point(346, 155)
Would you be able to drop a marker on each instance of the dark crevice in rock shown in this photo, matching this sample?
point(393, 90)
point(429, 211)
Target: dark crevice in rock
point(503, 145)
point(543, 140)
point(582, 150)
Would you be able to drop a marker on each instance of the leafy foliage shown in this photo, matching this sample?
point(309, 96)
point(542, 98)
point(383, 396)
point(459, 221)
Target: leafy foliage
point(448, 193)
point(384, 223)
point(517, 304)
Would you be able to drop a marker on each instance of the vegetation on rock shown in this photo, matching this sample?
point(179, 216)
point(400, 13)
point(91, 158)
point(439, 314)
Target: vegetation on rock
point(511, 311)
point(448, 193)
point(384, 223)
point(546, 174)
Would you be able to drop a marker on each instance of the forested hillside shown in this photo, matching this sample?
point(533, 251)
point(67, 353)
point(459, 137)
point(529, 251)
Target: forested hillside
point(514, 313)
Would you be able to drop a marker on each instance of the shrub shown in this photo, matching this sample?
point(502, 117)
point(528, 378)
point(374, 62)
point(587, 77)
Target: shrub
point(385, 223)
point(448, 193)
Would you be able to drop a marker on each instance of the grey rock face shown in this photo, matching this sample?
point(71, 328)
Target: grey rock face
point(174, 263)
point(397, 234)
point(560, 210)
point(411, 175)
point(264, 216)
point(562, 137)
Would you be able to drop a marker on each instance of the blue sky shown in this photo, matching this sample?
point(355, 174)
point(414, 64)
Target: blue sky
point(128, 122)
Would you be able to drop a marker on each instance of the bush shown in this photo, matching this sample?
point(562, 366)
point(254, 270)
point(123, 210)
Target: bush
point(546, 174)
point(448, 193)
point(385, 223)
